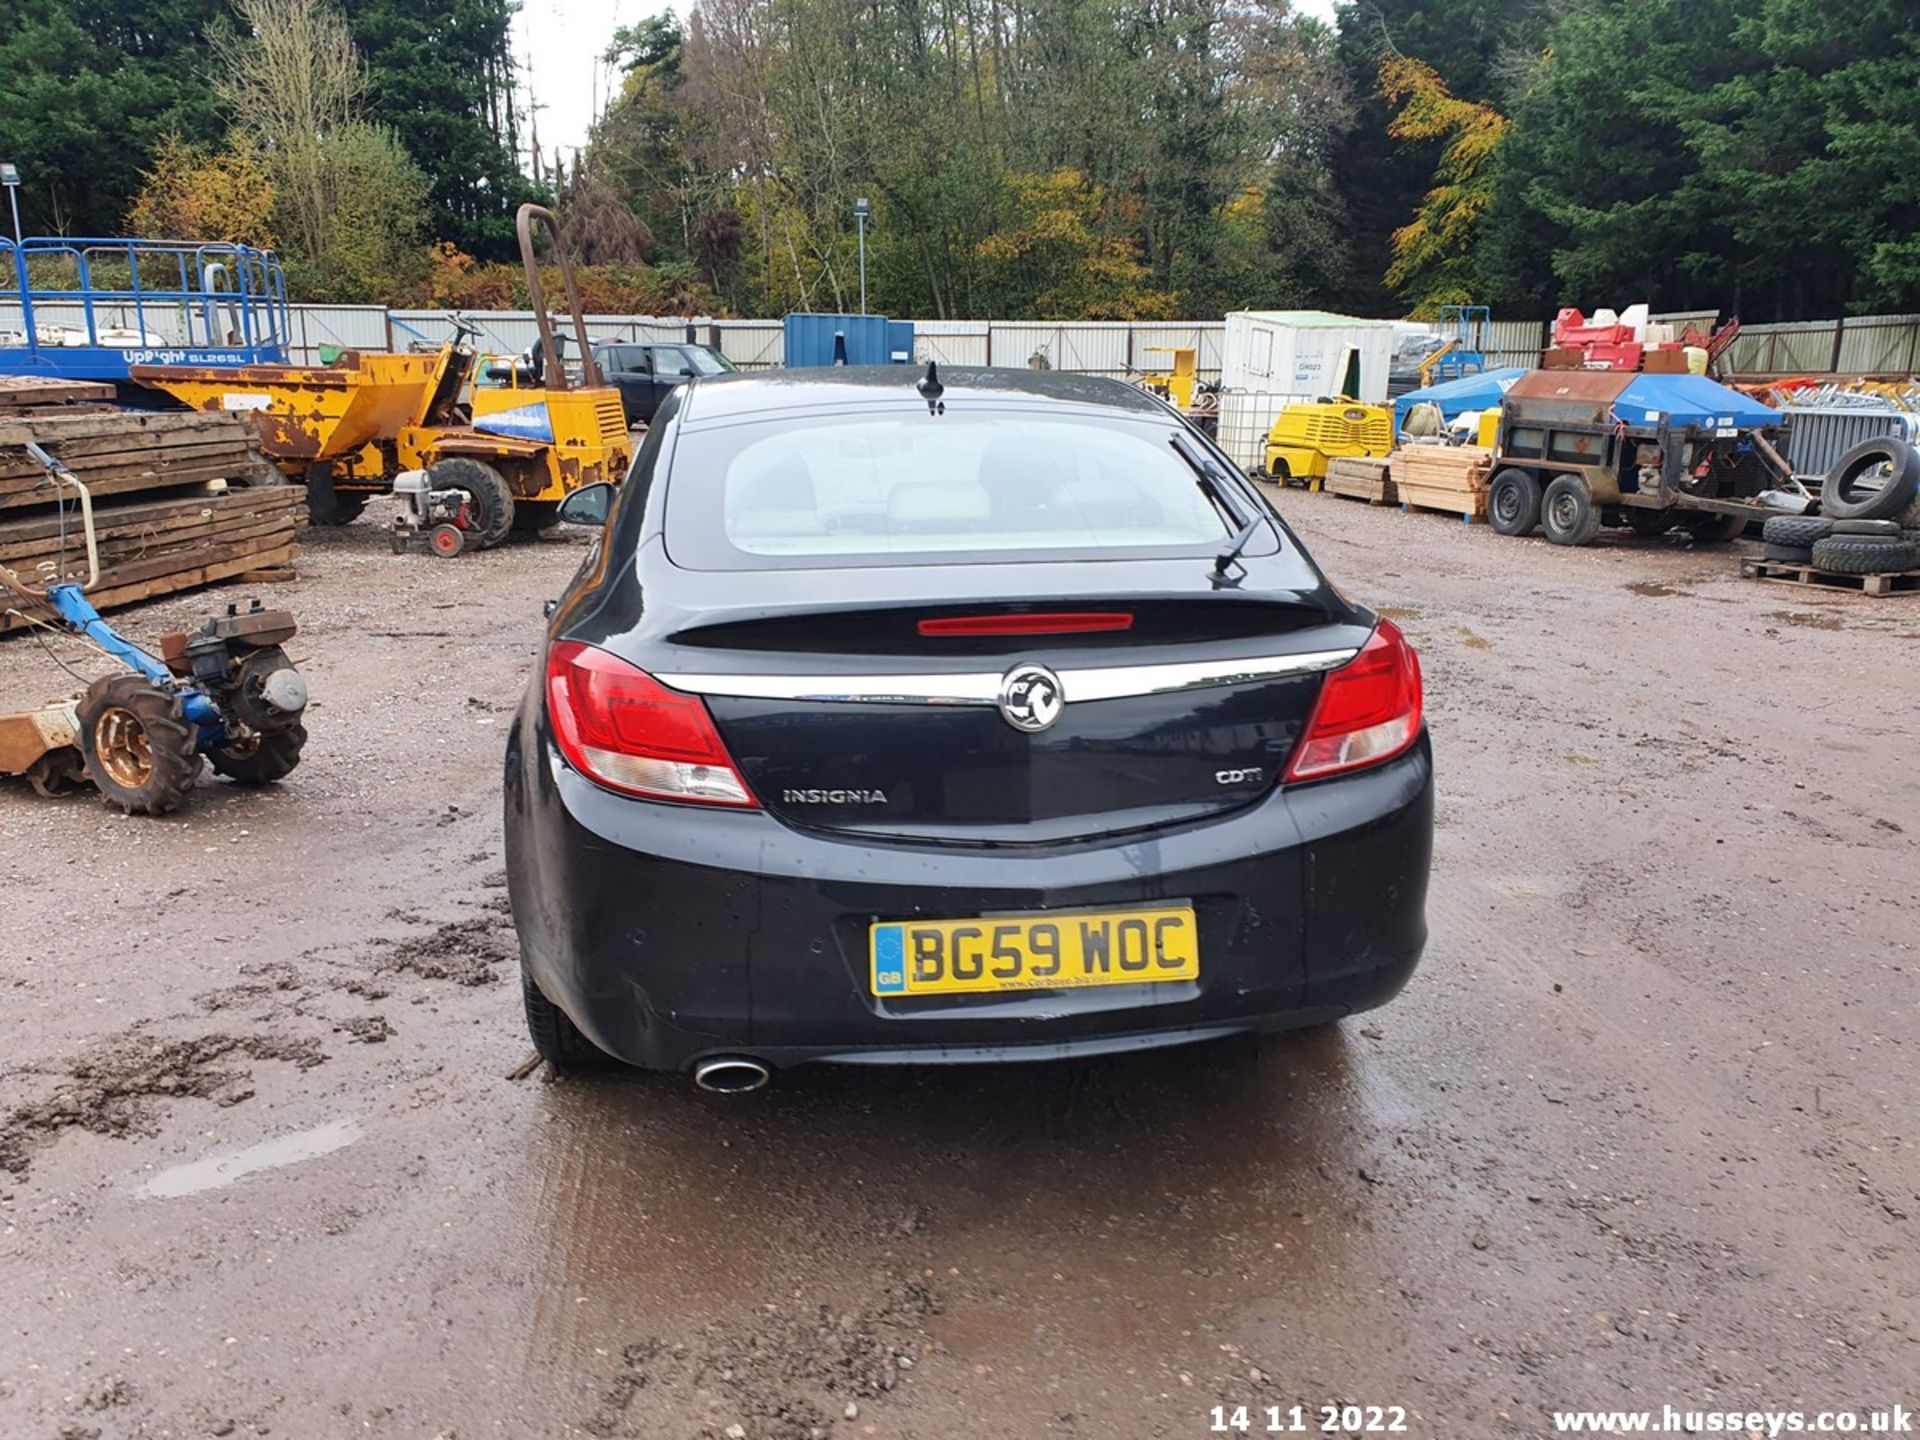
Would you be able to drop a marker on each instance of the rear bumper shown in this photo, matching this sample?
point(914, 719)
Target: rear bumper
point(669, 933)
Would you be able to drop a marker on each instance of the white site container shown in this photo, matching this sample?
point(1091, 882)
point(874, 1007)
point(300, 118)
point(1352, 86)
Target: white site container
point(1271, 358)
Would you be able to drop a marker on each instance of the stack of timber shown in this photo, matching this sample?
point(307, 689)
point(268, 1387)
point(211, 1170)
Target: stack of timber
point(46, 395)
point(1450, 478)
point(179, 500)
point(1359, 477)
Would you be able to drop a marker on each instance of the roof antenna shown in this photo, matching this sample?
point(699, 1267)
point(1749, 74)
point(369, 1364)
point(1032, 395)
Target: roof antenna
point(931, 389)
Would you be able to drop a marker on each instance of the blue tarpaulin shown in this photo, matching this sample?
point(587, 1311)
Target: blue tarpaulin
point(1689, 400)
point(1456, 397)
point(1644, 400)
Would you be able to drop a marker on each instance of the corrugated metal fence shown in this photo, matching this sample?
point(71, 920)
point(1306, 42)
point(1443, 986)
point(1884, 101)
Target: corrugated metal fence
point(1870, 344)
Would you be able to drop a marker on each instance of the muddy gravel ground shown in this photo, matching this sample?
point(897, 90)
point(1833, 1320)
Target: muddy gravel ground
point(1641, 1131)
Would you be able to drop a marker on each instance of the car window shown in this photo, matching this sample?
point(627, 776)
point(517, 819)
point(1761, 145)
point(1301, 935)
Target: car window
point(703, 361)
point(865, 489)
point(617, 357)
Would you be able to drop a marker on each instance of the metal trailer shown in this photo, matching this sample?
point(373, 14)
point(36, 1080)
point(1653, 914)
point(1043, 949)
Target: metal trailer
point(1569, 461)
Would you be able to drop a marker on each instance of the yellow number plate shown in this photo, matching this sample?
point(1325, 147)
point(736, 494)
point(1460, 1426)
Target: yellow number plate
point(1061, 951)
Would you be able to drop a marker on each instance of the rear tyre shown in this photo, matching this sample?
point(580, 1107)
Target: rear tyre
point(487, 495)
point(1567, 512)
point(1280, 472)
point(556, 1039)
point(1513, 502)
point(260, 759)
point(1649, 523)
point(140, 751)
point(1710, 529)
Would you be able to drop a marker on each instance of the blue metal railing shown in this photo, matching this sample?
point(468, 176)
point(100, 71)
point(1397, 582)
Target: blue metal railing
point(151, 302)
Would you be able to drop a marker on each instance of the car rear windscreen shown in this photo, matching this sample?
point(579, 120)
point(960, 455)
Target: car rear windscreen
point(848, 489)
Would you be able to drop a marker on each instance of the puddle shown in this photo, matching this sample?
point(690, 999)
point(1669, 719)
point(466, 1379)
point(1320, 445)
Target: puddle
point(215, 1171)
point(1654, 587)
point(1806, 618)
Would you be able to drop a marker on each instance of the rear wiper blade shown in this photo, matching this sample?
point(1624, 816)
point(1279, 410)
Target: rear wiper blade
point(1212, 482)
point(1209, 477)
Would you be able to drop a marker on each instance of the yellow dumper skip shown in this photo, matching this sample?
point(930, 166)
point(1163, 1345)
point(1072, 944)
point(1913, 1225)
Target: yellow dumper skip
point(310, 413)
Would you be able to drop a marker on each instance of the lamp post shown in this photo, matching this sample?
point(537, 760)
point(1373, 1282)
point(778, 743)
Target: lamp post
point(860, 213)
point(10, 177)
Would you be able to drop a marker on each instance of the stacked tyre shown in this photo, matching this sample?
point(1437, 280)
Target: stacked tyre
point(1871, 524)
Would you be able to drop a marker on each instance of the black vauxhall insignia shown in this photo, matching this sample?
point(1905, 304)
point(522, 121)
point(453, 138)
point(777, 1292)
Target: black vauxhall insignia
point(994, 719)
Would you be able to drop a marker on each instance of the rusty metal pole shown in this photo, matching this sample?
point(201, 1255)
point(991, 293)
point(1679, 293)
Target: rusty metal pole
point(556, 375)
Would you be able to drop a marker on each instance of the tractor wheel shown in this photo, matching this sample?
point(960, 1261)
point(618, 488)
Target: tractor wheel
point(487, 493)
point(1567, 512)
point(140, 751)
point(260, 759)
point(336, 511)
point(1513, 502)
point(535, 517)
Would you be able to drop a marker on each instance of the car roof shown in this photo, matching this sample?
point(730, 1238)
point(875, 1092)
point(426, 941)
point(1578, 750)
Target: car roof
point(728, 397)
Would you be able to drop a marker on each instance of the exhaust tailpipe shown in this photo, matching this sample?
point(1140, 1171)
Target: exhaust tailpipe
point(730, 1075)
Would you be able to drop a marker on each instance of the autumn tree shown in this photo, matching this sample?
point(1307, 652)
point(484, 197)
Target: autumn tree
point(348, 204)
point(1433, 254)
point(200, 194)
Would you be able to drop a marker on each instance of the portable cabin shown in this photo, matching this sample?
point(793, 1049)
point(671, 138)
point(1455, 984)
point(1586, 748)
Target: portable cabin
point(1273, 358)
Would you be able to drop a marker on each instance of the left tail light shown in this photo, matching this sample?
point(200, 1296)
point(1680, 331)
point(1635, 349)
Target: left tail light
point(1368, 711)
point(619, 726)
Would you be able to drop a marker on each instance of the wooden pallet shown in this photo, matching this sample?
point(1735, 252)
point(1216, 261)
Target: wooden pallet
point(1357, 478)
point(1470, 506)
point(1903, 582)
point(1449, 479)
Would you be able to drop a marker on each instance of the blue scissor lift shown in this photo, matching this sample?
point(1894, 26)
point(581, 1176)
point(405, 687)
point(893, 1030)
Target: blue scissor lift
point(82, 309)
point(1466, 328)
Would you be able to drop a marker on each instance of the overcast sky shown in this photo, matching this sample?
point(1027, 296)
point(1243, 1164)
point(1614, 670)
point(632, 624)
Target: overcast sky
point(561, 42)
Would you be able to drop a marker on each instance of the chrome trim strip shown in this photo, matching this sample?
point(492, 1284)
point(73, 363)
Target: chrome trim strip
point(1107, 682)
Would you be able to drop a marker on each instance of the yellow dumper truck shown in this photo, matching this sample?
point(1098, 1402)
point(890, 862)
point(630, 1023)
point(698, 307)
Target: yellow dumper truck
point(499, 457)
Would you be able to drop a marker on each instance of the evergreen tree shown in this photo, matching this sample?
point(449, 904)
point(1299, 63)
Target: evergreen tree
point(87, 94)
point(442, 79)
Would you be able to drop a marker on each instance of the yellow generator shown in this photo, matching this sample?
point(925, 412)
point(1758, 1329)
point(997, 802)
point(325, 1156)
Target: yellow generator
point(1305, 436)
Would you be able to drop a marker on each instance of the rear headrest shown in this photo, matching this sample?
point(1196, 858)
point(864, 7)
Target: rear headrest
point(786, 484)
point(940, 502)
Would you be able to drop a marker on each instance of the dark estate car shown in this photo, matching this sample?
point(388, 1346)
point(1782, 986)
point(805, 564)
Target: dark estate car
point(996, 719)
point(646, 374)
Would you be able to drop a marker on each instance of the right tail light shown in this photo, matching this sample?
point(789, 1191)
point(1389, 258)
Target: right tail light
point(1368, 710)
